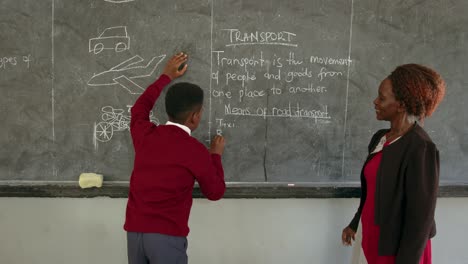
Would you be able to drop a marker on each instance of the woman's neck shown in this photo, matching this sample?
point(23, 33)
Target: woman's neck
point(399, 128)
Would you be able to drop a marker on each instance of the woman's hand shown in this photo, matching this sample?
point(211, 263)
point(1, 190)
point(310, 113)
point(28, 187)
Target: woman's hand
point(172, 66)
point(347, 235)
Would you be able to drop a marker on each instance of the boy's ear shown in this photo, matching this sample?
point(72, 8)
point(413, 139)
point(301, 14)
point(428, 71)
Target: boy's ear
point(197, 116)
point(193, 117)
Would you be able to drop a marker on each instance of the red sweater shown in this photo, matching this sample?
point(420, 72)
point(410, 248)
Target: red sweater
point(167, 163)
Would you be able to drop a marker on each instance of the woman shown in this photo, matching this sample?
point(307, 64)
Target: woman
point(400, 177)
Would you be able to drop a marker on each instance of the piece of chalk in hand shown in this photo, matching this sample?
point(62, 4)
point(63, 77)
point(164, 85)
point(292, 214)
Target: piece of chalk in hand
point(181, 66)
point(88, 180)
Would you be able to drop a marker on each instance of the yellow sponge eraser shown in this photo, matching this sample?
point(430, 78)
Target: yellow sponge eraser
point(88, 180)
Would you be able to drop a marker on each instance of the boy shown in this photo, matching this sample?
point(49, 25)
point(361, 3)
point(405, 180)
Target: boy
point(167, 163)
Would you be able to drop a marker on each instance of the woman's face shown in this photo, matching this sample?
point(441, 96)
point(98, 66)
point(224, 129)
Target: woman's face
point(386, 106)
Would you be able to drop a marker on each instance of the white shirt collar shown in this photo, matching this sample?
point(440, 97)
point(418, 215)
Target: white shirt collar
point(382, 141)
point(185, 128)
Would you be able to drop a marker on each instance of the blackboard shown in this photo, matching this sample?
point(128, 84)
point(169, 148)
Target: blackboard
point(290, 84)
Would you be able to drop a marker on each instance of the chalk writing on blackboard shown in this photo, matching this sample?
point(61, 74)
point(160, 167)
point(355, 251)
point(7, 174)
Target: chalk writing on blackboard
point(8, 62)
point(238, 38)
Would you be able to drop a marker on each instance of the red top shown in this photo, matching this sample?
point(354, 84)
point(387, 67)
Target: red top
point(371, 231)
point(167, 163)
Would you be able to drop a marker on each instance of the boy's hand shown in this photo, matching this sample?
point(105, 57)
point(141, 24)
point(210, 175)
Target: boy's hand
point(172, 66)
point(217, 145)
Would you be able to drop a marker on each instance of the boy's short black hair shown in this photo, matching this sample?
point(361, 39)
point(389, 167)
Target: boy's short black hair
point(181, 99)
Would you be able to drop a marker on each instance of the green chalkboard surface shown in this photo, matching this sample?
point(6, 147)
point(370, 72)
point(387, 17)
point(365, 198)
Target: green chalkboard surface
point(290, 84)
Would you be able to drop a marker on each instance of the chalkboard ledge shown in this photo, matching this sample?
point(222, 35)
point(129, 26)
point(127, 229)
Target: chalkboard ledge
point(234, 190)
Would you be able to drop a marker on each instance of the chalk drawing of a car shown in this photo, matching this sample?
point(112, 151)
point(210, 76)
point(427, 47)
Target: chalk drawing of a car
point(114, 38)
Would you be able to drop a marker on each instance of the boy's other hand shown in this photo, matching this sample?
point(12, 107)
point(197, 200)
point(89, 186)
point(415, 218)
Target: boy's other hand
point(172, 66)
point(217, 145)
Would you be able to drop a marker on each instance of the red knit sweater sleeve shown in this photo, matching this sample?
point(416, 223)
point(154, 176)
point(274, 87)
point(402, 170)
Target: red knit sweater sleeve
point(140, 121)
point(209, 173)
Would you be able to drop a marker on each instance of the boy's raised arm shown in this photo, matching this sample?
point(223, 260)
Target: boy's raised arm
point(140, 112)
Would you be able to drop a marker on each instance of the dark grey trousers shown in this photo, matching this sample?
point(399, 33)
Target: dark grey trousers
point(154, 248)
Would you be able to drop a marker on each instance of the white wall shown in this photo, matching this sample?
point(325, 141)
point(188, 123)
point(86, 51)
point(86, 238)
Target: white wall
point(57, 231)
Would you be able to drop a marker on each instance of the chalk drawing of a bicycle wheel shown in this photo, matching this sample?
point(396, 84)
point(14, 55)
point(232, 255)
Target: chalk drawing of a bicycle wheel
point(103, 131)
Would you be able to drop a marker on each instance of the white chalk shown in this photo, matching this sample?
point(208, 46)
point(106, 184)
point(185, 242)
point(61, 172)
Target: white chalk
point(88, 180)
point(291, 184)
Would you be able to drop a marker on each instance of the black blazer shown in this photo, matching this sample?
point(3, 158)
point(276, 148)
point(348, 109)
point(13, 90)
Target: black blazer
point(406, 194)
